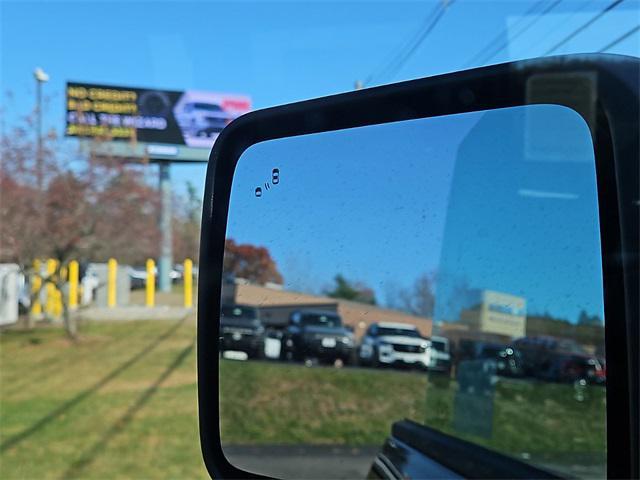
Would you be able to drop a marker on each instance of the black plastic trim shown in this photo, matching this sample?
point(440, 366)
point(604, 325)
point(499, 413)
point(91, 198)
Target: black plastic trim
point(468, 459)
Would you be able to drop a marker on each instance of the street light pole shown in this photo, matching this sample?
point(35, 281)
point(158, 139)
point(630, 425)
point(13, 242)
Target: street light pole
point(41, 77)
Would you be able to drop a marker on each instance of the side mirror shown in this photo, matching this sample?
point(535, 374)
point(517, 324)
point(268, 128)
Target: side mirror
point(481, 206)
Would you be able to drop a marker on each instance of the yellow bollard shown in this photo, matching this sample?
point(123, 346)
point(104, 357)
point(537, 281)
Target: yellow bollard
point(50, 304)
point(74, 273)
point(188, 283)
point(112, 272)
point(62, 276)
point(151, 283)
point(57, 304)
point(36, 306)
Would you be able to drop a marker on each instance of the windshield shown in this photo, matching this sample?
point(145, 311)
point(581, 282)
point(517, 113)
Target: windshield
point(108, 114)
point(402, 332)
point(320, 320)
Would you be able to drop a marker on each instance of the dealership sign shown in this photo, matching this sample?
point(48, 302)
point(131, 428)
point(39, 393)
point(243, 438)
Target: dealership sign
point(190, 118)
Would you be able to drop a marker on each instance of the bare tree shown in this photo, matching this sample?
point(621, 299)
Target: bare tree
point(418, 299)
point(88, 208)
point(186, 225)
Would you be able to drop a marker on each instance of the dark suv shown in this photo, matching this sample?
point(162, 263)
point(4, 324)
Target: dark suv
point(507, 359)
point(241, 330)
point(317, 334)
point(573, 367)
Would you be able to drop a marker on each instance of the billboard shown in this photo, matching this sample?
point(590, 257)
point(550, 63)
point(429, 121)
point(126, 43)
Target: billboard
point(190, 118)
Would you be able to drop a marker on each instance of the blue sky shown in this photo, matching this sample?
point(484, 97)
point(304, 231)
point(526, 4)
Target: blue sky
point(276, 52)
point(465, 197)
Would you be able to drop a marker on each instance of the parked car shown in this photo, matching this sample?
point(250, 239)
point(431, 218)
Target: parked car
point(559, 360)
point(567, 368)
point(317, 334)
point(138, 276)
point(508, 359)
point(241, 330)
point(439, 354)
point(396, 344)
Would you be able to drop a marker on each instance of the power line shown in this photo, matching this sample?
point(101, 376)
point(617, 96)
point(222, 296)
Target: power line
point(565, 20)
point(619, 39)
point(492, 43)
point(431, 21)
point(407, 44)
point(518, 34)
point(422, 37)
point(565, 40)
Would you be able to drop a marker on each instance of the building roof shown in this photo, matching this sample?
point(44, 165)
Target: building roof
point(357, 315)
point(264, 297)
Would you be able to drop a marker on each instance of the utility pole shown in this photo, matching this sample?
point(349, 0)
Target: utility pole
point(41, 77)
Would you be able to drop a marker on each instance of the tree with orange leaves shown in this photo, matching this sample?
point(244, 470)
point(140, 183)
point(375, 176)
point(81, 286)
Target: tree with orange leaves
point(251, 263)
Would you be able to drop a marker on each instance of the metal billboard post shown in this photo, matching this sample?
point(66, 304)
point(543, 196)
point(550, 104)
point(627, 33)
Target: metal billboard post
point(165, 262)
point(141, 125)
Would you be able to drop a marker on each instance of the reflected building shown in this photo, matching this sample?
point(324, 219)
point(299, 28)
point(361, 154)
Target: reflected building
point(519, 197)
point(496, 313)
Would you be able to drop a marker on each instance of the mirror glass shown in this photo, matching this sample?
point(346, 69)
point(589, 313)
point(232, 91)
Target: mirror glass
point(442, 271)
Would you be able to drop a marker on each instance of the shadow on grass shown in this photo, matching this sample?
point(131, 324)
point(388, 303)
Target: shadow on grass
point(90, 454)
point(48, 366)
point(14, 440)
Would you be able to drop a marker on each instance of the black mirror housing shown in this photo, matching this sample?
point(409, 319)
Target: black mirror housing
point(603, 89)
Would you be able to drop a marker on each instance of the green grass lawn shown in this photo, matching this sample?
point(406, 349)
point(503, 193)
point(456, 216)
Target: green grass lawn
point(273, 403)
point(121, 403)
point(558, 426)
point(174, 298)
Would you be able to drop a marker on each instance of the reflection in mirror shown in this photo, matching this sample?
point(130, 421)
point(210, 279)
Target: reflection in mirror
point(445, 271)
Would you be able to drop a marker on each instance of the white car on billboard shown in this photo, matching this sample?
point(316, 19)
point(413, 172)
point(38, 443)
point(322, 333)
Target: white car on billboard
point(202, 119)
point(201, 116)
